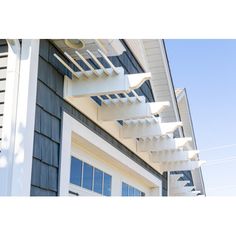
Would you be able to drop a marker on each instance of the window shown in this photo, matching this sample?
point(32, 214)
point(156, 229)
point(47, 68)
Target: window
point(98, 178)
point(84, 175)
point(88, 176)
point(76, 171)
point(107, 185)
point(128, 190)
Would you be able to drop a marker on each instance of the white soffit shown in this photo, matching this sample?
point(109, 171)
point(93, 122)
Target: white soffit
point(111, 47)
point(161, 79)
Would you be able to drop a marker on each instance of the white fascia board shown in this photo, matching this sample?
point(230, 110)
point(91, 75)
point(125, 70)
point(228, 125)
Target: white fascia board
point(71, 125)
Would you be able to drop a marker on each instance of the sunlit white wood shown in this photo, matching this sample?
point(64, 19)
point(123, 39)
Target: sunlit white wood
point(106, 71)
point(190, 194)
point(108, 61)
point(85, 73)
point(161, 144)
point(117, 110)
point(180, 165)
point(172, 156)
point(178, 184)
point(136, 95)
point(179, 190)
point(103, 100)
point(148, 130)
point(102, 85)
point(67, 67)
point(175, 177)
point(87, 63)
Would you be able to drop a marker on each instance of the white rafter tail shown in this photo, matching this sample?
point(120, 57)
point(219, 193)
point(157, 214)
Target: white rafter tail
point(136, 80)
point(108, 61)
point(136, 95)
point(106, 71)
point(129, 99)
point(158, 107)
point(170, 127)
point(162, 143)
point(175, 177)
point(87, 63)
point(181, 142)
point(118, 110)
point(172, 156)
point(190, 194)
point(178, 190)
point(148, 130)
point(103, 100)
point(179, 184)
point(181, 165)
point(66, 66)
point(83, 72)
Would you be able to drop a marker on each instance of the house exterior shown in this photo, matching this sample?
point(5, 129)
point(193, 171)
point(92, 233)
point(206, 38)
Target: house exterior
point(94, 118)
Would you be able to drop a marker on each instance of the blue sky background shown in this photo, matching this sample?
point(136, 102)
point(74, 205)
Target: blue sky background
point(207, 69)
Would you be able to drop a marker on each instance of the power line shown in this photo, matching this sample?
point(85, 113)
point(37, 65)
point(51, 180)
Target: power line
point(218, 147)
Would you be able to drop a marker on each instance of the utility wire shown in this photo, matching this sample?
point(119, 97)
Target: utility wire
point(218, 147)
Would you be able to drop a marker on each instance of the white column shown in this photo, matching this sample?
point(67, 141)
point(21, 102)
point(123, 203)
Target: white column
point(8, 132)
point(25, 117)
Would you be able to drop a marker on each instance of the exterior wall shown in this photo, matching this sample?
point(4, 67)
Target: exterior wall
point(3, 73)
point(48, 120)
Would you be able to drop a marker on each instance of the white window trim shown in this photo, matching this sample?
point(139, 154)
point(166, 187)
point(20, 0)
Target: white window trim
point(71, 125)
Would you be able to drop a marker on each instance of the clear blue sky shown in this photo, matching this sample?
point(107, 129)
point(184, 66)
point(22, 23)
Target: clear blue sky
point(207, 69)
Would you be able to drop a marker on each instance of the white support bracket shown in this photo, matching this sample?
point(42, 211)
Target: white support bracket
point(190, 194)
point(179, 184)
point(143, 129)
point(121, 109)
point(172, 156)
point(178, 190)
point(162, 143)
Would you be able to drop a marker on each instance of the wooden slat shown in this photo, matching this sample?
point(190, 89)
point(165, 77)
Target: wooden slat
point(2, 85)
point(2, 95)
point(3, 73)
point(1, 108)
point(3, 62)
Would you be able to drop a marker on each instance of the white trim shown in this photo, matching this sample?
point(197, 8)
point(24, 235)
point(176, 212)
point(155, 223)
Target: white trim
point(10, 106)
point(71, 125)
point(24, 134)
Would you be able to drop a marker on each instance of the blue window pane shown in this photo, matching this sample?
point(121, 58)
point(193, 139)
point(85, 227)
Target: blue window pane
point(131, 191)
point(136, 192)
point(75, 171)
point(124, 189)
point(107, 185)
point(97, 181)
point(88, 176)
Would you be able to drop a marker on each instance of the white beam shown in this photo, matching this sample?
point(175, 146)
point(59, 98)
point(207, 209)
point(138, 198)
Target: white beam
point(102, 85)
point(162, 143)
point(190, 194)
point(120, 109)
point(178, 190)
point(146, 129)
point(175, 177)
point(172, 156)
point(180, 165)
point(178, 184)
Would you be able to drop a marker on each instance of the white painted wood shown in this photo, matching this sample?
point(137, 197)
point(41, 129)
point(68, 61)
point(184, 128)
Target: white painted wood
point(175, 177)
point(179, 184)
point(3, 62)
point(162, 143)
point(190, 194)
point(9, 118)
point(103, 84)
point(180, 190)
point(172, 156)
point(181, 165)
point(25, 117)
point(120, 109)
point(143, 129)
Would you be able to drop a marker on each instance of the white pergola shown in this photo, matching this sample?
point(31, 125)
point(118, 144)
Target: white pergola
point(119, 101)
